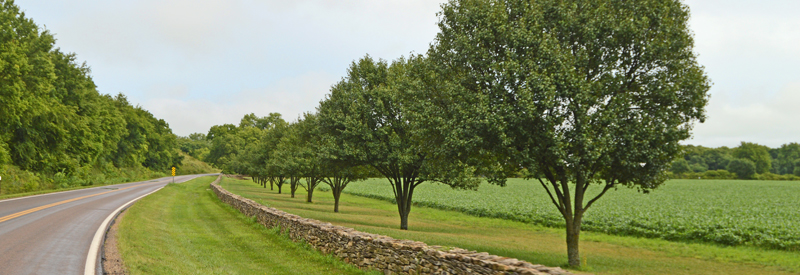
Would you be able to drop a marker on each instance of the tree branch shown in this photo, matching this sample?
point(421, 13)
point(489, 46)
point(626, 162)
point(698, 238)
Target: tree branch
point(605, 188)
point(549, 194)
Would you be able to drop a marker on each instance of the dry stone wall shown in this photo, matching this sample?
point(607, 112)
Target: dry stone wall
point(372, 251)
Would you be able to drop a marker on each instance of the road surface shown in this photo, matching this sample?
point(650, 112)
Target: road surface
point(52, 233)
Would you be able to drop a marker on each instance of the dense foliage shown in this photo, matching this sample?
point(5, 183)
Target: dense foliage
point(274, 152)
point(592, 93)
point(54, 122)
point(715, 163)
point(755, 213)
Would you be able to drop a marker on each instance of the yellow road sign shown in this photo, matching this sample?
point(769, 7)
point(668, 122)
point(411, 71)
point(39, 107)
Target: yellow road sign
point(173, 171)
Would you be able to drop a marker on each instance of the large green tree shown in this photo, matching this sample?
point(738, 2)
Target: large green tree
point(743, 168)
point(309, 153)
point(758, 154)
point(583, 94)
point(784, 158)
point(366, 115)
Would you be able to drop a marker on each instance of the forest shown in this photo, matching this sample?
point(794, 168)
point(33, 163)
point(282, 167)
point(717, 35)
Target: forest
point(746, 161)
point(57, 130)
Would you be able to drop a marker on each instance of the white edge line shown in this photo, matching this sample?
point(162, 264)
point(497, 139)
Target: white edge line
point(91, 259)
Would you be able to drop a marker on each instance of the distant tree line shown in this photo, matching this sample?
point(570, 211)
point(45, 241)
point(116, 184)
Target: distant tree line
point(53, 121)
point(747, 161)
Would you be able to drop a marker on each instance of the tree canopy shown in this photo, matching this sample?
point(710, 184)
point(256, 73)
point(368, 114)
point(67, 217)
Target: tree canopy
point(53, 119)
point(580, 93)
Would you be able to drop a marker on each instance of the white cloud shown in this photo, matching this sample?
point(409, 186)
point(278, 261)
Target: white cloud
point(749, 49)
point(770, 120)
point(289, 96)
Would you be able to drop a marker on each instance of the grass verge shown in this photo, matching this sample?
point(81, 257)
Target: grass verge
point(605, 254)
point(41, 192)
point(20, 183)
point(185, 229)
point(191, 165)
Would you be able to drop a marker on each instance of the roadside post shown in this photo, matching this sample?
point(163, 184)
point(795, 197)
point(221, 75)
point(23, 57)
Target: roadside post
point(173, 174)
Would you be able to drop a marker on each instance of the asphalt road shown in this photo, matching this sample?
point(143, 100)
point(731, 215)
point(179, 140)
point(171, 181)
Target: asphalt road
point(51, 233)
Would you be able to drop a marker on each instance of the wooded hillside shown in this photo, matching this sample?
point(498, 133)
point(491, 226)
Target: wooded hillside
point(56, 125)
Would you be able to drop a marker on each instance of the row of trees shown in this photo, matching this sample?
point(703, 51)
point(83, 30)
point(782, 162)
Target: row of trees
point(52, 118)
point(744, 161)
point(276, 153)
point(580, 94)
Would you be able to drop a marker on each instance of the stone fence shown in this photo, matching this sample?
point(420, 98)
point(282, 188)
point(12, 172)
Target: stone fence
point(372, 251)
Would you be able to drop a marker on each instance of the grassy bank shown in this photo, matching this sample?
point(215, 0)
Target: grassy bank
point(191, 166)
point(185, 229)
point(605, 254)
point(19, 183)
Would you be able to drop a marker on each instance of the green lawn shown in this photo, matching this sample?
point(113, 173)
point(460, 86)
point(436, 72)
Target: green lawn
point(605, 254)
point(185, 229)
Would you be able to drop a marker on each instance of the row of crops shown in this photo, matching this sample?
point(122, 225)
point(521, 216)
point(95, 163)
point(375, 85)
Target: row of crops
point(729, 212)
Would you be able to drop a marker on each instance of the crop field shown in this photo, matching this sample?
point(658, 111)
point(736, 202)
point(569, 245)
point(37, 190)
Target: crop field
point(729, 212)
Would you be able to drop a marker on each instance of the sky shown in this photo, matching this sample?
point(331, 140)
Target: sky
point(198, 63)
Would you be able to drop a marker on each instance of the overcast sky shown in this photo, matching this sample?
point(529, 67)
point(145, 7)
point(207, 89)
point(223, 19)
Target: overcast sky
point(198, 63)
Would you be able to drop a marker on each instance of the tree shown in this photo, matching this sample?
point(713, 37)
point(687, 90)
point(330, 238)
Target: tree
point(758, 154)
point(717, 158)
point(680, 166)
point(275, 175)
point(309, 155)
point(195, 145)
point(264, 123)
point(784, 159)
point(580, 93)
point(366, 116)
point(287, 157)
point(338, 175)
point(797, 167)
point(743, 168)
point(336, 172)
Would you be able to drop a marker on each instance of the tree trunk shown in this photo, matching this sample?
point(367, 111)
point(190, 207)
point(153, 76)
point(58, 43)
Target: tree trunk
point(336, 200)
point(279, 188)
point(404, 191)
point(310, 193)
point(573, 239)
point(403, 219)
point(294, 183)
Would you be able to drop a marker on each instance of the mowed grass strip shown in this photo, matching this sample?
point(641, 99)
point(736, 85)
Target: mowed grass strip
point(605, 254)
point(185, 229)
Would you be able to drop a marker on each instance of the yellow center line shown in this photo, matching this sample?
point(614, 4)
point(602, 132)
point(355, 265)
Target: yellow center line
point(26, 212)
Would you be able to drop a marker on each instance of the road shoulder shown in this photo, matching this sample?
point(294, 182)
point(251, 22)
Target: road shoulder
point(112, 260)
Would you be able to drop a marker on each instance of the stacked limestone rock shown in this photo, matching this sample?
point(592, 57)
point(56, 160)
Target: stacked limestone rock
point(371, 251)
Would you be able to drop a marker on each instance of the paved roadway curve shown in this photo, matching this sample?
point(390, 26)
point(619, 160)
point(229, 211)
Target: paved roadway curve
point(51, 233)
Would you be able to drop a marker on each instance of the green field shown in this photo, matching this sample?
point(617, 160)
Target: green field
point(185, 229)
point(729, 212)
point(604, 253)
